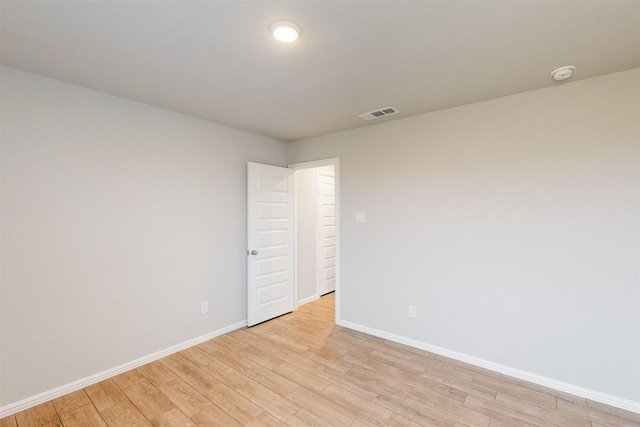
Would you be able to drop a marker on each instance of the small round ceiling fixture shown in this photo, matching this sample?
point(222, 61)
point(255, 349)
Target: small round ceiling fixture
point(285, 31)
point(563, 73)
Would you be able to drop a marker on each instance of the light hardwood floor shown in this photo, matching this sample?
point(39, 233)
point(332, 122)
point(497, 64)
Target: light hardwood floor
point(303, 370)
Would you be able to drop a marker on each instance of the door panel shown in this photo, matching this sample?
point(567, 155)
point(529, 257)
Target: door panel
point(327, 226)
point(270, 237)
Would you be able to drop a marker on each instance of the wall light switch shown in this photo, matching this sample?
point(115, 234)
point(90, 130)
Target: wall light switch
point(360, 218)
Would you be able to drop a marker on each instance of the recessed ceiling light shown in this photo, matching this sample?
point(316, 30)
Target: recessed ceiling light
point(285, 31)
point(563, 73)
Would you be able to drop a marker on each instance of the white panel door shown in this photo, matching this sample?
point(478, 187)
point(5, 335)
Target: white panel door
point(327, 230)
point(270, 242)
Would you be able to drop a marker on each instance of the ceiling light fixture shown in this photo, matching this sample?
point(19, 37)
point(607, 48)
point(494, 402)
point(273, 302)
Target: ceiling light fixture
point(285, 31)
point(563, 73)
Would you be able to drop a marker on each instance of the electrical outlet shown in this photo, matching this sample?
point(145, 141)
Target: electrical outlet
point(412, 311)
point(204, 307)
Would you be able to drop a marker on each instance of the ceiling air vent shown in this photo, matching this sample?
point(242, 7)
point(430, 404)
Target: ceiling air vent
point(379, 113)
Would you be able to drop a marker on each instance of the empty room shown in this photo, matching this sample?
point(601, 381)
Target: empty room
point(320, 213)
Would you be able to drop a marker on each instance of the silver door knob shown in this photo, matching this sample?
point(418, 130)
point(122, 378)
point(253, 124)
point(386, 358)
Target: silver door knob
point(254, 252)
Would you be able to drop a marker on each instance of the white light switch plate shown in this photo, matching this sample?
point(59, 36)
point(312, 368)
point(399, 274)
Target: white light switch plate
point(360, 218)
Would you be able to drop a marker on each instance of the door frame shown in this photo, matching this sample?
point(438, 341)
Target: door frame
point(335, 162)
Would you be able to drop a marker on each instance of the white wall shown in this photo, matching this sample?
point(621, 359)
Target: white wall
point(117, 220)
point(512, 225)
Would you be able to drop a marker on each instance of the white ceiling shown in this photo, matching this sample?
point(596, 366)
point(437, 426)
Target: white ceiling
point(215, 59)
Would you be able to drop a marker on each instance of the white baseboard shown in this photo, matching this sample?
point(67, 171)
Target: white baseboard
point(29, 402)
point(607, 399)
point(308, 300)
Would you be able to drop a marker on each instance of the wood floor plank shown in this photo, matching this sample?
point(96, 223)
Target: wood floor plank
point(541, 412)
point(412, 410)
point(70, 402)
point(41, 415)
point(398, 362)
point(356, 385)
point(374, 383)
point(271, 379)
point(545, 390)
point(304, 418)
point(9, 421)
point(377, 414)
point(213, 416)
point(148, 399)
point(448, 409)
point(197, 356)
point(266, 420)
point(157, 373)
point(437, 364)
point(370, 363)
point(210, 346)
point(512, 423)
point(83, 416)
point(329, 358)
point(244, 346)
point(468, 366)
point(365, 420)
point(395, 421)
point(227, 374)
point(235, 404)
point(185, 397)
point(288, 343)
point(323, 407)
point(607, 424)
point(226, 340)
point(627, 415)
point(456, 383)
point(226, 366)
point(302, 377)
point(233, 359)
point(291, 357)
point(409, 349)
point(106, 394)
point(594, 415)
point(431, 386)
point(504, 414)
point(305, 335)
point(422, 359)
point(542, 399)
point(124, 415)
point(277, 405)
point(172, 418)
point(196, 377)
point(128, 378)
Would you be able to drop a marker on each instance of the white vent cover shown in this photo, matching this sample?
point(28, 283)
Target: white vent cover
point(383, 112)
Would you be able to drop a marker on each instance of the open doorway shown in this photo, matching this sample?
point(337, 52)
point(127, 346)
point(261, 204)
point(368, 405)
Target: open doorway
point(316, 189)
